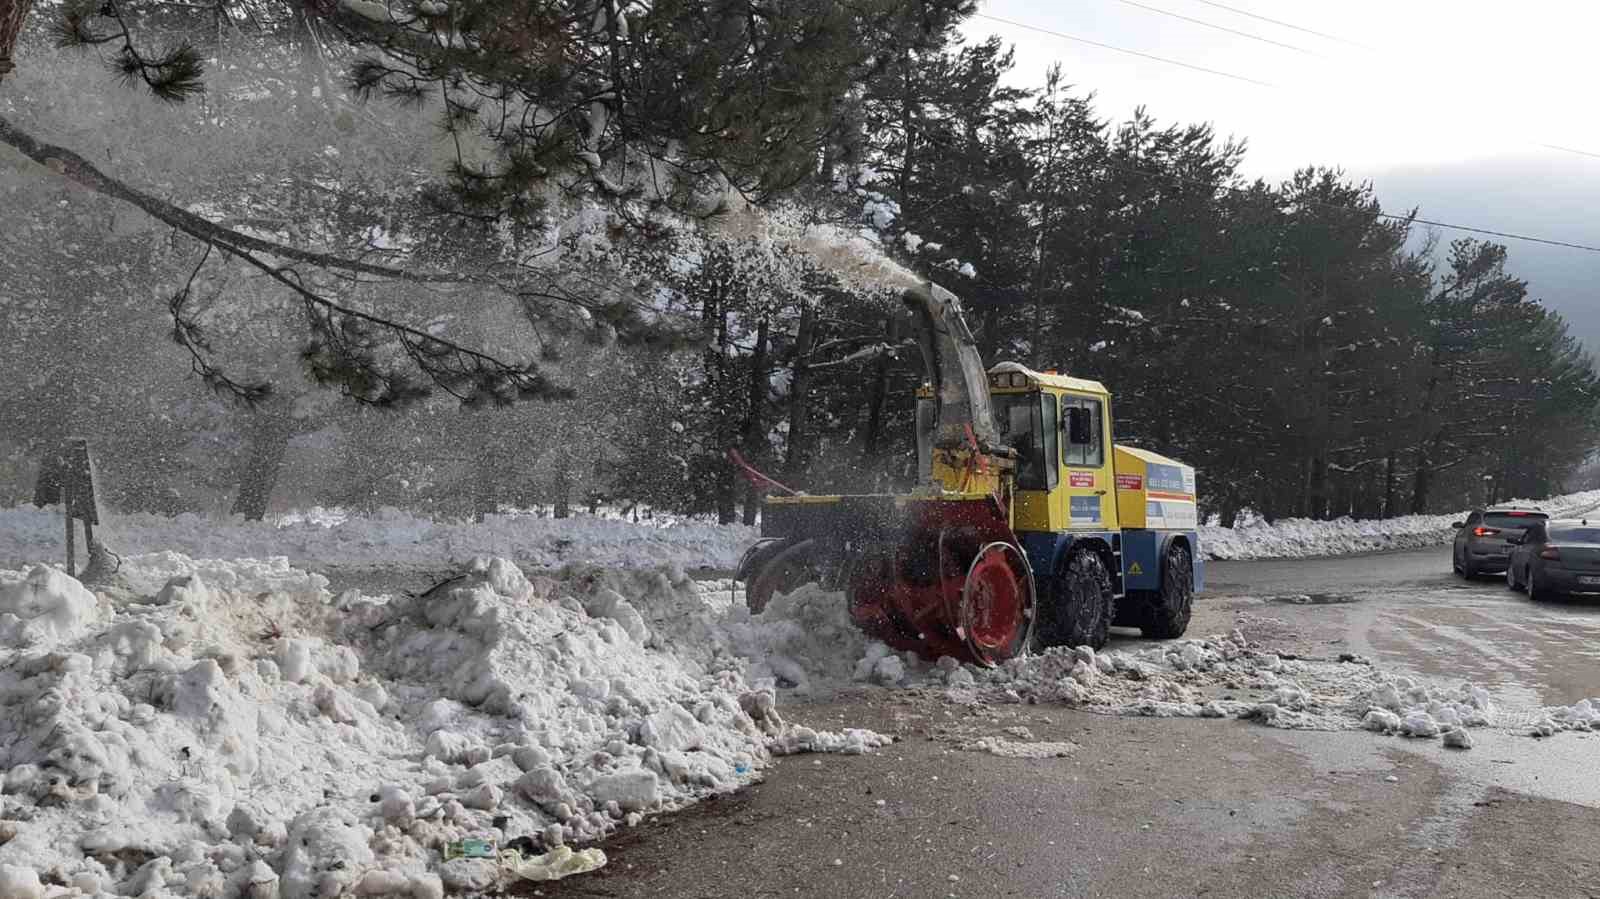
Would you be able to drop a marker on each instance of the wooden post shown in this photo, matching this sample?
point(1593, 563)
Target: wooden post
point(66, 513)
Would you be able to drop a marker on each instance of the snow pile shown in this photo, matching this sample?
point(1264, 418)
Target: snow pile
point(389, 537)
point(804, 641)
point(1229, 677)
point(1292, 538)
point(236, 730)
point(1583, 715)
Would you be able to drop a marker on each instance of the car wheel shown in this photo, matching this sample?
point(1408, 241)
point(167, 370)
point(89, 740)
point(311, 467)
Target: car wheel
point(1511, 577)
point(1455, 562)
point(1468, 570)
point(1535, 592)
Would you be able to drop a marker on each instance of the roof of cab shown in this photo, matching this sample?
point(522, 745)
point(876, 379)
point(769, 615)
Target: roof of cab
point(1062, 382)
point(1145, 455)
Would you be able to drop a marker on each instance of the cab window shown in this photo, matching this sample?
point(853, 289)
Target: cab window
point(1027, 424)
point(1088, 449)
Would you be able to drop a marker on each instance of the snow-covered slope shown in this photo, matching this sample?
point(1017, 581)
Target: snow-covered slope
point(389, 538)
point(1291, 538)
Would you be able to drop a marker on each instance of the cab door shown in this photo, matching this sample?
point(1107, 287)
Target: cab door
point(1086, 476)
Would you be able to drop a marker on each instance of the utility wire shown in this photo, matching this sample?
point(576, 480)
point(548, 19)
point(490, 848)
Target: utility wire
point(1084, 40)
point(1321, 34)
point(1570, 150)
point(1392, 216)
point(1196, 68)
point(1203, 23)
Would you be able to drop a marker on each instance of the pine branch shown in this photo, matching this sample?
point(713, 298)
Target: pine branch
point(73, 166)
point(188, 334)
point(343, 350)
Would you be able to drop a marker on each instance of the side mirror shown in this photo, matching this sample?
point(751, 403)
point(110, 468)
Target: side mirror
point(1459, 525)
point(1078, 426)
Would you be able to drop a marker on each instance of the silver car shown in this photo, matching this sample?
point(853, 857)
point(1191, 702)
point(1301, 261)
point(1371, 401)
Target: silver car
point(1484, 541)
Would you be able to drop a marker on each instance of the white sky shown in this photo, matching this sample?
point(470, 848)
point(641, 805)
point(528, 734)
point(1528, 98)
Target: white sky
point(1443, 81)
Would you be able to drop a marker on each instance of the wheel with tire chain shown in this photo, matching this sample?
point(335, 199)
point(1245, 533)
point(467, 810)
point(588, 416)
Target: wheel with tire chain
point(1080, 607)
point(1169, 609)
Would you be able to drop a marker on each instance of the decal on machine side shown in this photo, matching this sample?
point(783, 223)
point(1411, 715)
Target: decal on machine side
point(1130, 482)
point(1080, 479)
point(1086, 508)
point(1167, 478)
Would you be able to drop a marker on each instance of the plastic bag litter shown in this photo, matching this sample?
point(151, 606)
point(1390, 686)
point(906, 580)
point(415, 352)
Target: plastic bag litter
point(556, 864)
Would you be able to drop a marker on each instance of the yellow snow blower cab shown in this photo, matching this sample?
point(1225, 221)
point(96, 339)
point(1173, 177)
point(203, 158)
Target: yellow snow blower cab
point(1028, 527)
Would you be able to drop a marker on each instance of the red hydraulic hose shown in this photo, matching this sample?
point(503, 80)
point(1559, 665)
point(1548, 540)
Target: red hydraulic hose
point(755, 477)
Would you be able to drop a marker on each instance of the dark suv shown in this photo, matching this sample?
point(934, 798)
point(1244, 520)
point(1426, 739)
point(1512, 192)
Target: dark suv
point(1483, 541)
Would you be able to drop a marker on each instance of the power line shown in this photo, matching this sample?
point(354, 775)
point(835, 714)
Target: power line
point(1570, 150)
point(1196, 68)
point(1084, 40)
point(1246, 12)
point(1203, 23)
point(1393, 216)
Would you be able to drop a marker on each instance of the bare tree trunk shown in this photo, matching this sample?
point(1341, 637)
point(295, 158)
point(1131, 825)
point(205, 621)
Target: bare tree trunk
point(563, 486)
point(485, 486)
point(799, 397)
point(989, 336)
point(1422, 481)
point(1391, 486)
point(270, 431)
point(755, 443)
point(879, 396)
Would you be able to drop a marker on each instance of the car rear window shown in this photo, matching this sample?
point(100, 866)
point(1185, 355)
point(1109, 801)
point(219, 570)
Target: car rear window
point(1513, 519)
point(1575, 535)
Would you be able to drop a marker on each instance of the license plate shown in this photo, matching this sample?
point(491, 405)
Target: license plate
point(1589, 581)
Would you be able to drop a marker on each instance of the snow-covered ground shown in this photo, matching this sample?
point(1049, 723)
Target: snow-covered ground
point(1293, 538)
point(221, 729)
point(231, 728)
point(321, 539)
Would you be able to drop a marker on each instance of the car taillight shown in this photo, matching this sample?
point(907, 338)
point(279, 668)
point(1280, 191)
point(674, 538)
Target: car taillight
point(1485, 532)
point(1551, 553)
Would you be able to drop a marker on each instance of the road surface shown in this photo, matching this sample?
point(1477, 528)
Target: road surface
point(1148, 807)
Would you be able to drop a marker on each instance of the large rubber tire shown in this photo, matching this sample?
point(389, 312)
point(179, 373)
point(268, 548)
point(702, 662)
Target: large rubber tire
point(1169, 610)
point(1079, 610)
point(782, 572)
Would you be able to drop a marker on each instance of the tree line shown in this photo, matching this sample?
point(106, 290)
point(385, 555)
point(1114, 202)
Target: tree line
point(1310, 352)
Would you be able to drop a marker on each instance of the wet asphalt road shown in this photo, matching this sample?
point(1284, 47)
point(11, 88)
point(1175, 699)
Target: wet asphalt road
point(1148, 808)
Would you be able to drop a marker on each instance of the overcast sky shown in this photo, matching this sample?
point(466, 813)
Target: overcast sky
point(1442, 105)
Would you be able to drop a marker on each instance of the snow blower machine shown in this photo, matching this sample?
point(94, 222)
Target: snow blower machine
point(1028, 528)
